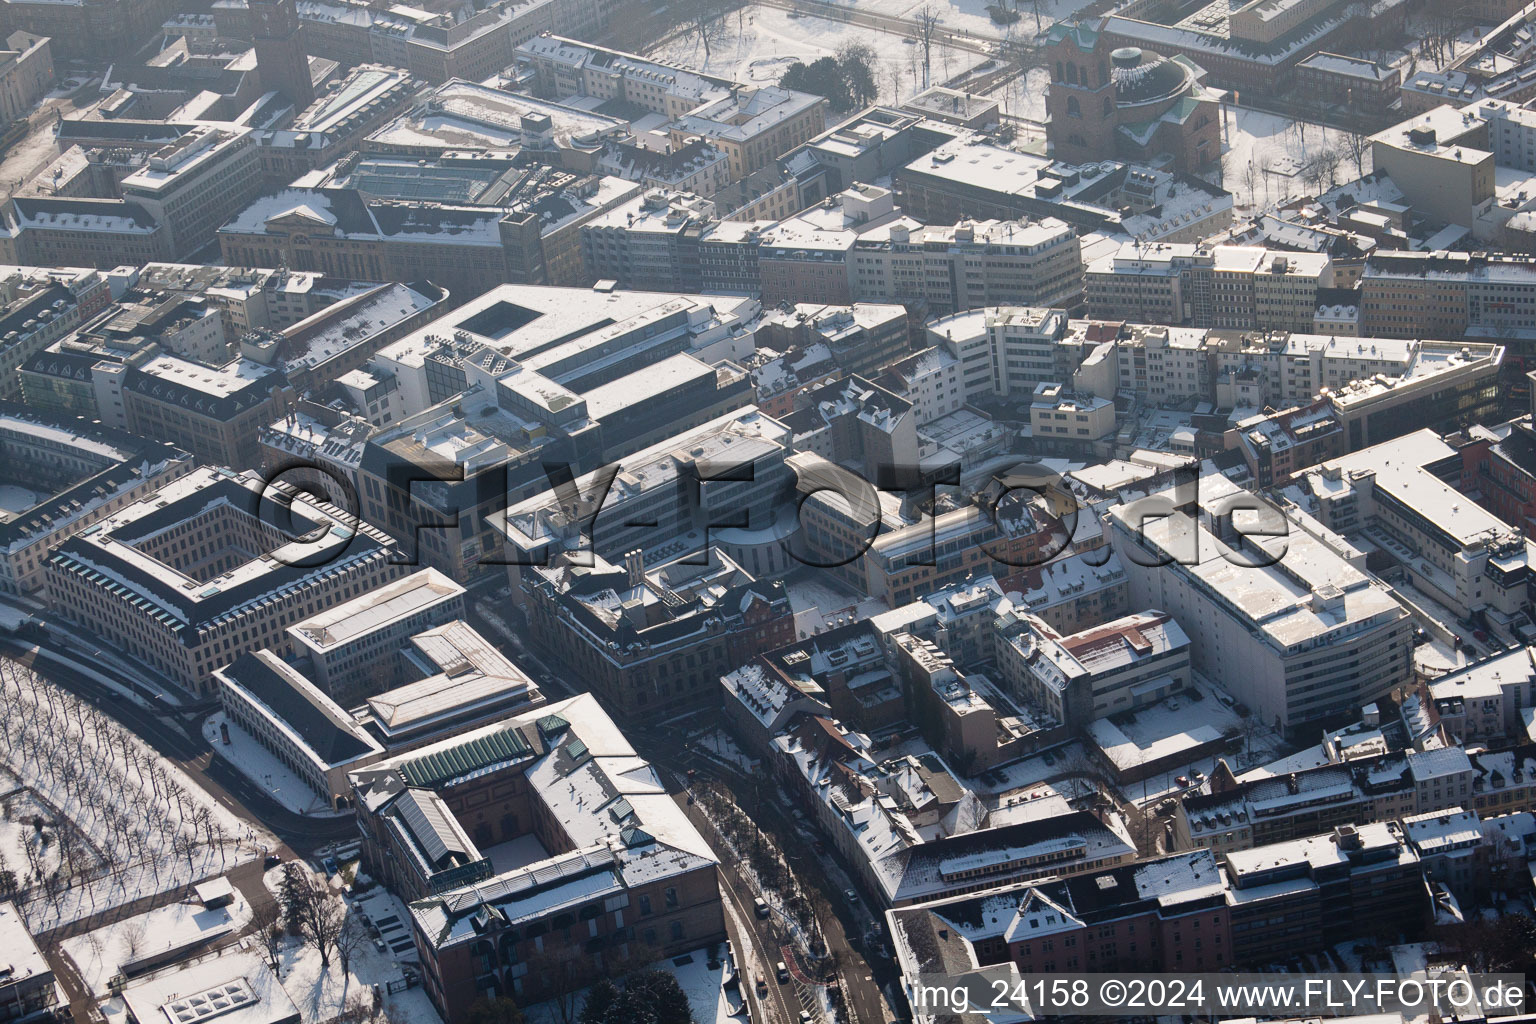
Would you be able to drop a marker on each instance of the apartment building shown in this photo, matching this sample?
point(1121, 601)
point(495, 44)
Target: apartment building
point(913, 832)
point(1121, 666)
point(1374, 787)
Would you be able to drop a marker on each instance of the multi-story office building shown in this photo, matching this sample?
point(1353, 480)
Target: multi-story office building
point(28, 989)
point(1359, 879)
point(651, 241)
point(1295, 631)
point(306, 731)
point(536, 840)
point(1454, 549)
point(972, 176)
point(42, 308)
point(78, 472)
point(753, 125)
point(968, 265)
point(1447, 294)
point(104, 233)
point(193, 185)
point(435, 47)
point(465, 248)
point(202, 570)
point(642, 504)
point(1239, 286)
point(26, 74)
point(453, 680)
point(214, 412)
point(1442, 162)
point(678, 627)
point(348, 643)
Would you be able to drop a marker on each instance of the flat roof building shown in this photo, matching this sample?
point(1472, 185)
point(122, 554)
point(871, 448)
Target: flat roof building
point(348, 643)
point(195, 574)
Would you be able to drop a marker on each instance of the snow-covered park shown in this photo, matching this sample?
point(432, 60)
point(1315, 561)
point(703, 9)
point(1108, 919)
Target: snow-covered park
point(1266, 156)
point(142, 827)
point(758, 44)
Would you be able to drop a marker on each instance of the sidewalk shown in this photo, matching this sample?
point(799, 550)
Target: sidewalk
point(264, 770)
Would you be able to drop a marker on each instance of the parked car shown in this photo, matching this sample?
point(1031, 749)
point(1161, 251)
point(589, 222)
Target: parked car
point(781, 972)
point(851, 896)
point(759, 907)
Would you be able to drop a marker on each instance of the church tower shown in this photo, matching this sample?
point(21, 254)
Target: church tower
point(280, 58)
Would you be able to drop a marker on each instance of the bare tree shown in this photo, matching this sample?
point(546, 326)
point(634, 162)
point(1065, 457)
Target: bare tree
point(927, 27)
point(1357, 144)
point(349, 938)
point(132, 937)
point(319, 913)
point(707, 17)
point(267, 926)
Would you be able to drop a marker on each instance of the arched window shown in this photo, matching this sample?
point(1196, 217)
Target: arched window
point(1108, 105)
point(1071, 73)
point(1073, 110)
point(1061, 75)
point(1103, 73)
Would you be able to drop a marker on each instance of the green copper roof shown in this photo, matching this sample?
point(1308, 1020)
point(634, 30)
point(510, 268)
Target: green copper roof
point(452, 762)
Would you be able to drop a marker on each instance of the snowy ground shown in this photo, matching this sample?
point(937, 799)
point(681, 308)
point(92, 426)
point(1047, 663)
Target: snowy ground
point(99, 954)
point(1024, 95)
point(322, 993)
point(256, 763)
point(31, 854)
point(970, 16)
point(158, 830)
point(1278, 149)
point(761, 44)
point(717, 744)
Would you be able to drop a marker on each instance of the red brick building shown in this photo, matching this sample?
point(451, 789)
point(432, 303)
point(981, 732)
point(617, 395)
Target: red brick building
point(1505, 472)
point(536, 855)
point(1126, 102)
